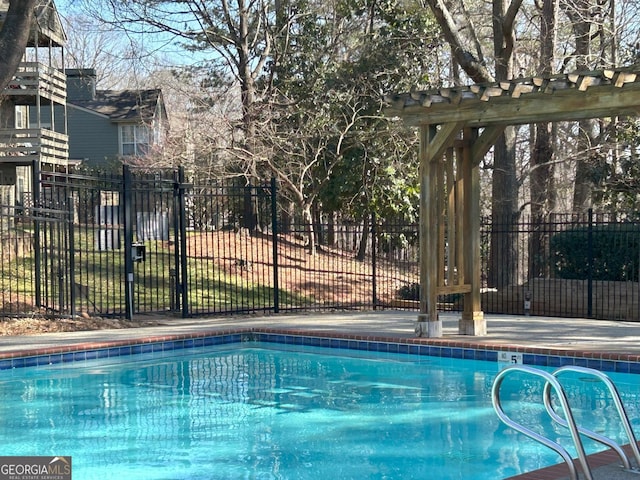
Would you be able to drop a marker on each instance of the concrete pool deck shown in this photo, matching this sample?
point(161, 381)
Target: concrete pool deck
point(580, 336)
point(547, 335)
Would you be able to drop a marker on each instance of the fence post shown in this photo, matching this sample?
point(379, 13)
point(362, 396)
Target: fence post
point(35, 182)
point(274, 244)
point(72, 258)
point(374, 273)
point(127, 204)
point(590, 265)
point(174, 271)
point(184, 272)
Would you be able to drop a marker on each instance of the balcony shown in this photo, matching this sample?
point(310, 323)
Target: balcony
point(22, 146)
point(33, 79)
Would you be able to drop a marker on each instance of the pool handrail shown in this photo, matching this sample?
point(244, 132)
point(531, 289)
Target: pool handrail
point(559, 449)
point(593, 435)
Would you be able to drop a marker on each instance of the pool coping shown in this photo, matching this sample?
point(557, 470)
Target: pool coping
point(607, 462)
point(441, 347)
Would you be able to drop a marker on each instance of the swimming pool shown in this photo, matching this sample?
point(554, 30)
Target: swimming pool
point(269, 411)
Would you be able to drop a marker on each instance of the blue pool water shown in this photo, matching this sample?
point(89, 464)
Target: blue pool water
point(257, 411)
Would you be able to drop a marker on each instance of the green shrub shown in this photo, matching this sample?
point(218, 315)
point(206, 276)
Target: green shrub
point(615, 253)
point(410, 291)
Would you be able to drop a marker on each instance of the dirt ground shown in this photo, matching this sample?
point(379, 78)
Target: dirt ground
point(37, 325)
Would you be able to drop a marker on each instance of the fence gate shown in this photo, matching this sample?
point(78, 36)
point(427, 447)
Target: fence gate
point(151, 229)
point(36, 272)
point(102, 246)
point(53, 264)
point(229, 261)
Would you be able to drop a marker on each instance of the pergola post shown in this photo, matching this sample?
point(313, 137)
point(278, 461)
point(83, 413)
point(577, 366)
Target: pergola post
point(428, 324)
point(472, 321)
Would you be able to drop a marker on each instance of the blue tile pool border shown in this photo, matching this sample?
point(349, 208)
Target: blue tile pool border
point(606, 362)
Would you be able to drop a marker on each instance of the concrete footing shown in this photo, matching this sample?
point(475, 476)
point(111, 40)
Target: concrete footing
point(472, 323)
point(428, 327)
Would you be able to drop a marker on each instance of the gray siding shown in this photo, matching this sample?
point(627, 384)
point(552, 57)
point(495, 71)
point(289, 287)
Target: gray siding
point(92, 138)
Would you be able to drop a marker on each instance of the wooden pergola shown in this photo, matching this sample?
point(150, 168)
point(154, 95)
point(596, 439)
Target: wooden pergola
point(458, 126)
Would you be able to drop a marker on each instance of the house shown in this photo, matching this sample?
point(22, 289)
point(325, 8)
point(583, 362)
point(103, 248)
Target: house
point(28, 142)
point(52, 119)
point(107, 125)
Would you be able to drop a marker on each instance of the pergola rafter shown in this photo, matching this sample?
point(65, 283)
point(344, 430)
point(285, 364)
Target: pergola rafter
point(458, 126)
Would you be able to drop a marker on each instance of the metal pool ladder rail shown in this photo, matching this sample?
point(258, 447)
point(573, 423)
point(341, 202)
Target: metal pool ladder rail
point(624, 418)
point(559, 449)
point(568, 420)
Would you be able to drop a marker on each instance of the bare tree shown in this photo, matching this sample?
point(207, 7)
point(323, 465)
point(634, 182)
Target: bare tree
point(232, 38)
point(307, 158)
point(593, 49)
point(92, 45)
point(324, 130)
point(542, 155)
point(203, 119)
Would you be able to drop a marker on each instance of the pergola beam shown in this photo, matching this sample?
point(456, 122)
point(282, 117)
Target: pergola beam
point(570, 97)
point(439, 140)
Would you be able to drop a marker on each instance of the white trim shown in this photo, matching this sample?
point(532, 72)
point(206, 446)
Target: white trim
point(88, 110)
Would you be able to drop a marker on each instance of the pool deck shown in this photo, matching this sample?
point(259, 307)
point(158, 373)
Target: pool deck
point(545, 335)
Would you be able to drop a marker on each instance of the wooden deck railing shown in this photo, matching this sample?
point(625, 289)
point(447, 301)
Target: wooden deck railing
point(34, 78)
point(21, 146)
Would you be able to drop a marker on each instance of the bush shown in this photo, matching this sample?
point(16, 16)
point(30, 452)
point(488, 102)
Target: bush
point(409, 292)
point(614, 255)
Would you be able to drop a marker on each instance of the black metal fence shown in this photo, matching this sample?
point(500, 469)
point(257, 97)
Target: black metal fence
point(568, 265)
point(148, 242)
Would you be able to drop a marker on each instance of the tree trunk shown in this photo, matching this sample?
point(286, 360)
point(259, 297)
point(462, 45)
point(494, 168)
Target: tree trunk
point(504, 213)
point(542, 172)
point(542, 196)
point(504, 204)
point(331, 230)
point(586, 165)
point(311, 237)
point(587, 162)
point(286, 218)
point(464, 40)
point(317, 219)
point(364, 239)
point(14, 37)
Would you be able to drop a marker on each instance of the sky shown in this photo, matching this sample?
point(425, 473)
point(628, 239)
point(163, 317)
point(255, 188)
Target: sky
point(162, 47)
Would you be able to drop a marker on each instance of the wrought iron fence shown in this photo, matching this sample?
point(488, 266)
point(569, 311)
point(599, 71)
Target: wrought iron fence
point(35, 246)
point(568, 265)
point(149, 242)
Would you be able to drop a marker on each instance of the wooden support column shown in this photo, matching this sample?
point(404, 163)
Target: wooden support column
point(472, 321)
point(428, 324)
point(433, 144)
point(575, 97)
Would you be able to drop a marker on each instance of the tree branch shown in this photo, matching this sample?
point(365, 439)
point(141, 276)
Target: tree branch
point(471, 65)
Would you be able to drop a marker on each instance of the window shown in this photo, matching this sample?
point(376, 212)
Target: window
point(20, 117)
point(134, 140)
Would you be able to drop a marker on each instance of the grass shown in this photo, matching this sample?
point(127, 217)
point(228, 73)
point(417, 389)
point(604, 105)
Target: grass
point(100, 287)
